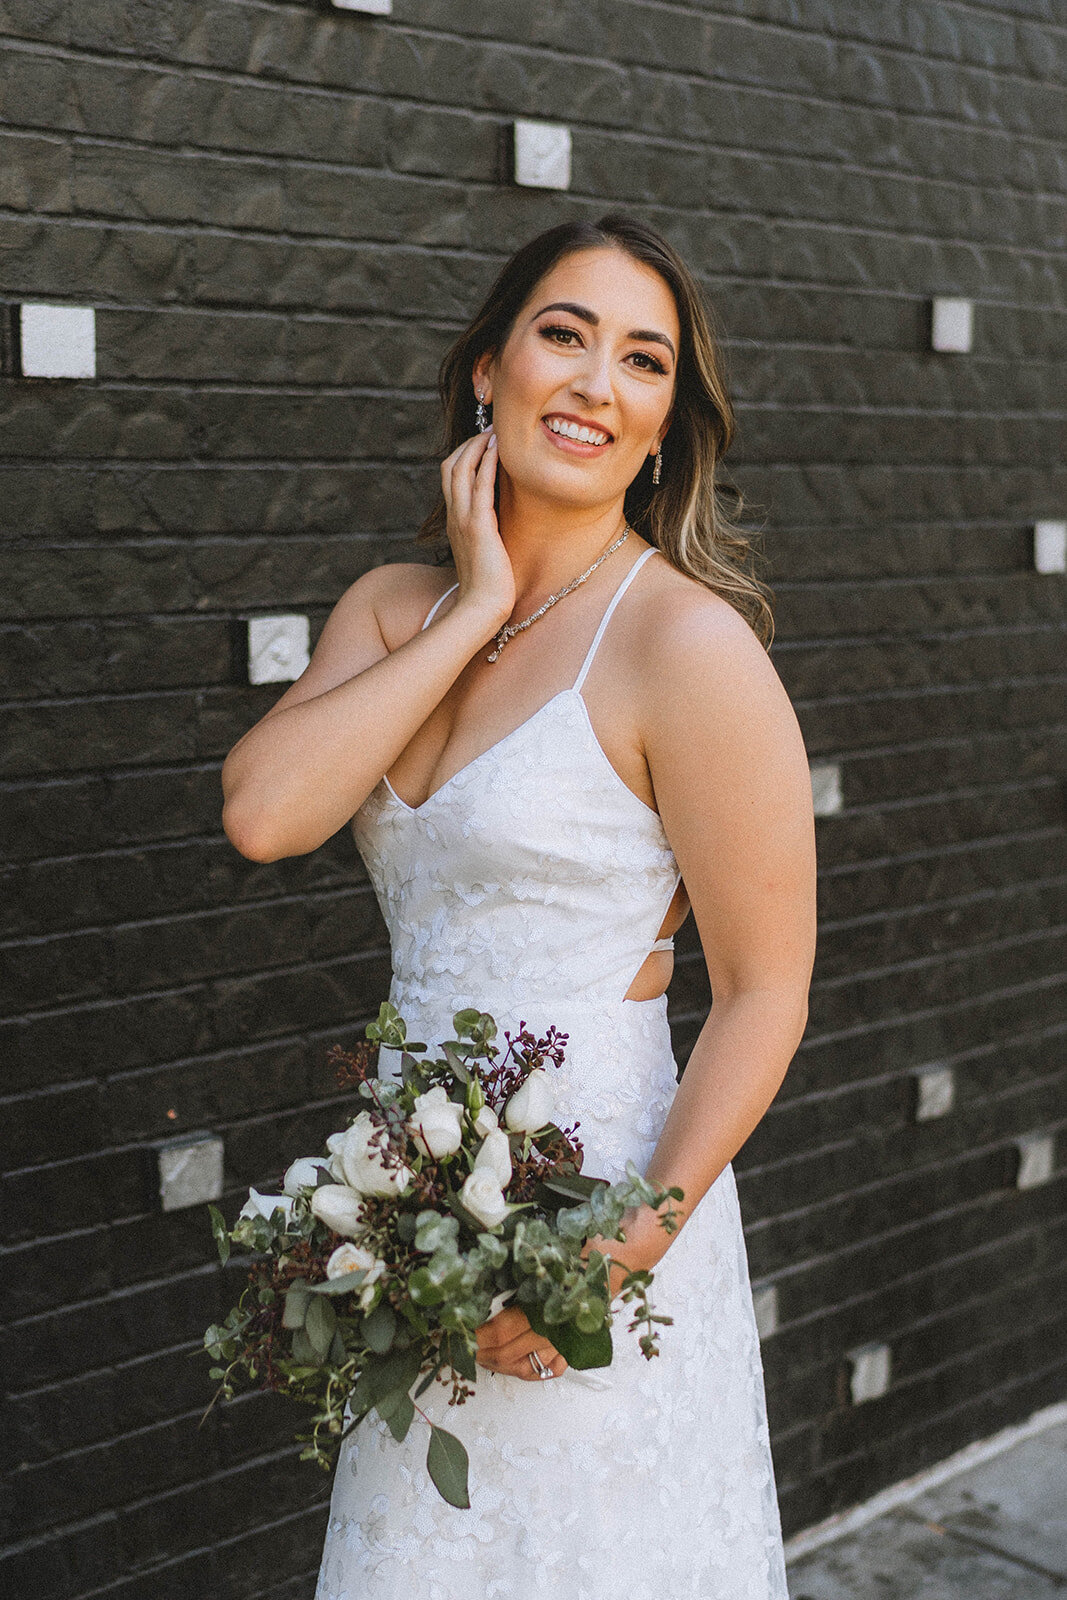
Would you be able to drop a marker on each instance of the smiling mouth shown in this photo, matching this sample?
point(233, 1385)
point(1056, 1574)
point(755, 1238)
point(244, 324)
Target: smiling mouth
point(580, 433)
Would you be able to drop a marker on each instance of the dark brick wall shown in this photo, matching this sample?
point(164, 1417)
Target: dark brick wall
point(281, 214)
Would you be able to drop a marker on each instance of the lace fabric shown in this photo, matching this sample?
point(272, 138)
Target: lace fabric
point(533, 884)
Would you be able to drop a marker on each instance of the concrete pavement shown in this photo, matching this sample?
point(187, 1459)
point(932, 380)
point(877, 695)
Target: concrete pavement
point(989, 1525)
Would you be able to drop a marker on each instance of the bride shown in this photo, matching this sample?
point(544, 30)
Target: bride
point(549, 752)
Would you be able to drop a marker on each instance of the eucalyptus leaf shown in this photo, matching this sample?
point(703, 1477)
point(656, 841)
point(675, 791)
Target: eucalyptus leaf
point(296, 1305)
point(460, 1355)
point(400, 1415)
point(303, 1350)
point(409, 1069)
point(379, 1328)
point(320, 1326)
point(574, 1185)
point(579, 1350)
point(426, 1382)
point(456, 1062)
point(342, 1285)
point(447, 1464)
point(221, 1232)
point(397, 1370)
point(423, 1290)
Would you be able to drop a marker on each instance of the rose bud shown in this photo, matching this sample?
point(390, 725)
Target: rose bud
point(486, 1121)
point(303, 1174)
point(339, 1207)
point(436, 1123)
point(532, 1104)
point(495, 1157)
point(484, 1198)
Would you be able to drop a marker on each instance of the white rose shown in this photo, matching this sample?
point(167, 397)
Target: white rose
point(339, 1207)
point(303, 1174)
point(262, 1205)
point(486, 1121)
point(436, 1123)
point(352, 1258)
point(362, 1163)
point(484, 1198)
point(333, 1165)
point(495, 1157)
point(532, 1105)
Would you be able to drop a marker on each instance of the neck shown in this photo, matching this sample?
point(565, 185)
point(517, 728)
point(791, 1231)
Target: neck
point(548, 544)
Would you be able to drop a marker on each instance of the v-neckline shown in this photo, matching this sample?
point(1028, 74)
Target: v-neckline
point(475, 761)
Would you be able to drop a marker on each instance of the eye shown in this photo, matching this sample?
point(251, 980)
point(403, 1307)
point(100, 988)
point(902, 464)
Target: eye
point(558, 333)
point(654, 365)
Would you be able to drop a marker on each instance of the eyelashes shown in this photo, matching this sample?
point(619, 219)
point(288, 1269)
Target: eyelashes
point(550, 332)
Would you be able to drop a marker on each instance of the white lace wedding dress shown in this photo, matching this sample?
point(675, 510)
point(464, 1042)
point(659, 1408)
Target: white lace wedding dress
point(532, 885)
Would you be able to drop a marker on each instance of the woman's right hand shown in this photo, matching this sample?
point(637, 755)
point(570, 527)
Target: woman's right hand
point(468, 481)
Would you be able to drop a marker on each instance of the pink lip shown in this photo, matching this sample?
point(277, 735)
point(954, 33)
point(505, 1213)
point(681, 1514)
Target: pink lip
point(575, 446)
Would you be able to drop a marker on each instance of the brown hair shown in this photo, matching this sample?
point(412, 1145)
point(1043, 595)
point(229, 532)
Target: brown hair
point(684, 517)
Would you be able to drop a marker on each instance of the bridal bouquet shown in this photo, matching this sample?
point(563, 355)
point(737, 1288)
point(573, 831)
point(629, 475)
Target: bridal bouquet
point(450, 1193)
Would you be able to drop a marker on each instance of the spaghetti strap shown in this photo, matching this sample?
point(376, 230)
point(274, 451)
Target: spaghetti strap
point(606, 618)
point(433, 608)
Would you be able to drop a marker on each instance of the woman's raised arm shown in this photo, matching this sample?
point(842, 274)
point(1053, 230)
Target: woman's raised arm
point(302, 771)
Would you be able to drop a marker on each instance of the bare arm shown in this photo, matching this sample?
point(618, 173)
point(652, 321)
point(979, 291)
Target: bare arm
point(308, 765)
point(732, 785)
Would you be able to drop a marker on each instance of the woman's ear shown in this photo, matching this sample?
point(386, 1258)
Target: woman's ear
point(657, 443)
point(483, 383)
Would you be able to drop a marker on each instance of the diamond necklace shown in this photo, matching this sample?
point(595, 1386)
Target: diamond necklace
point(510, 629)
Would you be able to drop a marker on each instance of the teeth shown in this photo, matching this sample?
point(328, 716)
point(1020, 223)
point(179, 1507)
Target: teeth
point(571, 430)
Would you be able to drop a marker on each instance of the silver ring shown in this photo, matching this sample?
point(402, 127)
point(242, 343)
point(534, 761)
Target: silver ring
point(539, 1366)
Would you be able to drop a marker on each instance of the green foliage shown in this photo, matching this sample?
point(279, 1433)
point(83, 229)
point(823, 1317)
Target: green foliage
point(221, 1232)
point(447, 1464)
point(346, 1348)
point(379, 1329)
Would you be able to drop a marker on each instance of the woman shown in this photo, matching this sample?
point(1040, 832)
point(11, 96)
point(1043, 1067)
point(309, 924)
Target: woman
point(549, 752)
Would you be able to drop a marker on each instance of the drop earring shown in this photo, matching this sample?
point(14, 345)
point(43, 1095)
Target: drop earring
point(657, 470)
point(481, 416)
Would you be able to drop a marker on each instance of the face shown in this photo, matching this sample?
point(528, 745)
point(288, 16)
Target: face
point(582, 390)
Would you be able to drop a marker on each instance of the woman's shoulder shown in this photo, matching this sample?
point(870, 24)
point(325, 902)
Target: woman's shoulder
point(400, 594)
point(691, 627)
point(709, 685)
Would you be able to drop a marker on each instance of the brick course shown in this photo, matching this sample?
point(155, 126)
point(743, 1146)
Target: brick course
point(281, 214)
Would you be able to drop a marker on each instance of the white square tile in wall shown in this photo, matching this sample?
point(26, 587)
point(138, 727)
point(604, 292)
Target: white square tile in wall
point(1037, 1160)
point(1050, 546)
point(190, 1171)
point(278, 648)
point(952, 325)
point(374, 8)
point(57, 341)
point(935, 1093)
point(870, 1371)
point(826, 796)
point(542, 155)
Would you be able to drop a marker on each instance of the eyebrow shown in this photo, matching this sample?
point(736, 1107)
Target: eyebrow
point(583, 313)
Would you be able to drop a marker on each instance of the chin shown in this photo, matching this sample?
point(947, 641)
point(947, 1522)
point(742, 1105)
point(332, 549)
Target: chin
point(581, 488)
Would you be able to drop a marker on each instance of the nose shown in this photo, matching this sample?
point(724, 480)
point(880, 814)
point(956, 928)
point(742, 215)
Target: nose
point(591, 381)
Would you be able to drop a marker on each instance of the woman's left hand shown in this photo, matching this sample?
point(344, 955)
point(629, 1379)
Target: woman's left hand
point(505, 1343)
